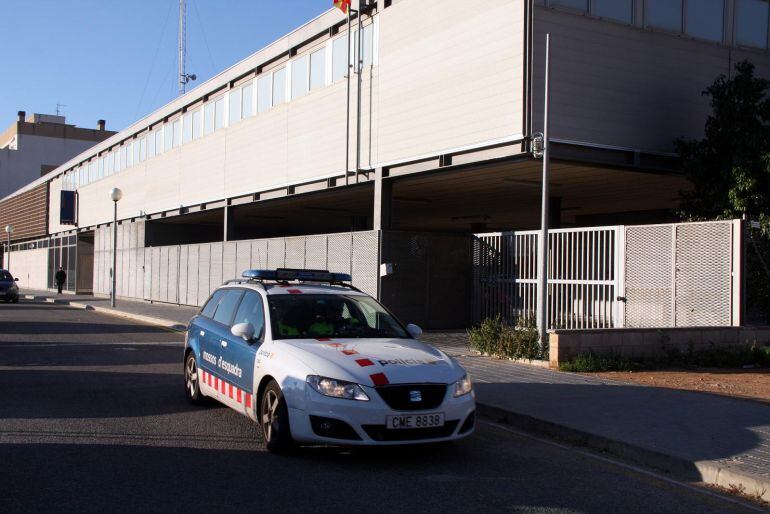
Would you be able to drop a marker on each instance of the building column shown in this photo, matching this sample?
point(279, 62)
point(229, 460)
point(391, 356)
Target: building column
point(383, 200)
point(554, 216)
point(227, 232)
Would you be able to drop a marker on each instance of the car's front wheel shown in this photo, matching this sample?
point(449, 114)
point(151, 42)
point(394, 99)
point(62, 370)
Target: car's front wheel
point(274, 420)
point(192, 380)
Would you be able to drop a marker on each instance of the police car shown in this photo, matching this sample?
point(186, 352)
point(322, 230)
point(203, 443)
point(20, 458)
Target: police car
point(314, 360)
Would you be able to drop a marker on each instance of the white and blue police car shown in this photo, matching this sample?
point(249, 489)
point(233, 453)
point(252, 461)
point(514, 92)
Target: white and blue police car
point(313, 360)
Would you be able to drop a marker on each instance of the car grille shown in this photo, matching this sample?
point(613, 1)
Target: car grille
point(382, 433)
point(400, 397)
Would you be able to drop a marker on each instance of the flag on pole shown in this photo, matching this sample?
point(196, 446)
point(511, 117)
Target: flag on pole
point(342, 5)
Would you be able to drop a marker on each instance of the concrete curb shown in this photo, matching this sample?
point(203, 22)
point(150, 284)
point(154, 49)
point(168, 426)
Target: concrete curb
point(150, 320)
point(708, 472)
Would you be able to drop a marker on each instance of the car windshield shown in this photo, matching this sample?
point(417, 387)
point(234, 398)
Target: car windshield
point(330, 315)
point(5, 276)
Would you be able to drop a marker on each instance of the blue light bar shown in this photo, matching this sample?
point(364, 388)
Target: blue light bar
point(312, 275)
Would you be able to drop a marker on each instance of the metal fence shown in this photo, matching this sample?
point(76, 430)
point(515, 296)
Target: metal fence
point(186, 274)
point(685, 274)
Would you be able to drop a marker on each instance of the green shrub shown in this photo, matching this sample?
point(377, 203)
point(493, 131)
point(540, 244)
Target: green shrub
point(495, 337)
point(589, 362)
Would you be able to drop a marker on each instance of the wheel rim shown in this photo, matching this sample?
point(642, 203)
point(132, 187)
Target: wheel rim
point(269, 409)
point(192, 377)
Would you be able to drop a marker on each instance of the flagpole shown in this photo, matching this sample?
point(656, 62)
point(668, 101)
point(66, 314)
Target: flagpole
point(360, 66)
point(347, 116)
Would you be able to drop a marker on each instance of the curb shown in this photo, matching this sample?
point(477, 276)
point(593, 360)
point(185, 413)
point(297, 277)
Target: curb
point(150, 320)
point(708, 472)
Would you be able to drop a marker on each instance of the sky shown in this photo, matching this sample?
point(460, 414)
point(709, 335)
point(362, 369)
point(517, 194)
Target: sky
point(117, 59)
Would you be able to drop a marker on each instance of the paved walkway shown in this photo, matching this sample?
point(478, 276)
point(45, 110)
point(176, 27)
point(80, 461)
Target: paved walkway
point(696, 436)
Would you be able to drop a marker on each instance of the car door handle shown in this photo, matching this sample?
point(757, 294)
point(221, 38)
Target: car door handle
point(224, 344)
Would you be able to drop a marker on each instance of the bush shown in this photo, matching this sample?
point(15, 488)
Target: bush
point(589, 362)
point(495, 337)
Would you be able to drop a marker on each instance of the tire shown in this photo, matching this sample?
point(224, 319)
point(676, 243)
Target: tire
point(15, 300)
point(192, 386)
point(274, 420)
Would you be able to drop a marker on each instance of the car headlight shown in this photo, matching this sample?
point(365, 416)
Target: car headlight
point(337, 388)
point(463, 386)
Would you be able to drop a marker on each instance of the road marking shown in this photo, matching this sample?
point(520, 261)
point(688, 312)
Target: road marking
point(127, 343)
point(630, 467)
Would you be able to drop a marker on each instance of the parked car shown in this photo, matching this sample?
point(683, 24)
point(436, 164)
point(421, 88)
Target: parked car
point(9, 291)
point(314, 360)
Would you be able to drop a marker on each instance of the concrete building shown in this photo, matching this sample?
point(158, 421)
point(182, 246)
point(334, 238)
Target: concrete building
point(37, 144)
point(263, 165)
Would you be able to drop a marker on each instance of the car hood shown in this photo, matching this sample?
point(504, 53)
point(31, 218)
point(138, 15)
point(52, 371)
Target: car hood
point(373, 362)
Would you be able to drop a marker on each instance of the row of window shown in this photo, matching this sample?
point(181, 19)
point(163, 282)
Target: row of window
point(294, 80)
point(702, 19)
point(54, 242)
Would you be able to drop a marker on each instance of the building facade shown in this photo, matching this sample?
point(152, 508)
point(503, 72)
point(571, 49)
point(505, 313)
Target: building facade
point(270, 164)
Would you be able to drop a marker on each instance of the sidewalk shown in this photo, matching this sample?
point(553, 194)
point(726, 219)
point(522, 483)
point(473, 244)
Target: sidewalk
point(694, 436)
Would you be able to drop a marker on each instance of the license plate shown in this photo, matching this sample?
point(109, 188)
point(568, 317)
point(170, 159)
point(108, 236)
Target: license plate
point(408, 421)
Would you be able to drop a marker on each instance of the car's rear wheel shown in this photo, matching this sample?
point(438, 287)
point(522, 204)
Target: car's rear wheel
point(15, 300)
point(192, 380)
point(274, 420)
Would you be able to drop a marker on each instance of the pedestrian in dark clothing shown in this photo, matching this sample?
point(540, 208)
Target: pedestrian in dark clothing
point(61, 277)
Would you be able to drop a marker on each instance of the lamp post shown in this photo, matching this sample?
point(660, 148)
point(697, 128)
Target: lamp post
point(542, 246)
point(9, 231)
point(115, 195)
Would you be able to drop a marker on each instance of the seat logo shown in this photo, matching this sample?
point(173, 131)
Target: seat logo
point(415, 396)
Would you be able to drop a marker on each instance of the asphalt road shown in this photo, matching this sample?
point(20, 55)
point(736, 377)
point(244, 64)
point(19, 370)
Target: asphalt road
point(93, 418)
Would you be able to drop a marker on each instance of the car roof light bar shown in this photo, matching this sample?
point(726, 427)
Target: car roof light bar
point(286, 274)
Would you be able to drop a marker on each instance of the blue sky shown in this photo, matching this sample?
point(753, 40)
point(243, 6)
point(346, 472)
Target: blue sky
point(117, 59)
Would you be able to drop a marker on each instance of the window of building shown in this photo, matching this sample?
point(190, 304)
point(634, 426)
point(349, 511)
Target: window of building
point(129, 154)
point(663, 14)
point(264, 93)
point(247, 100)
point(618, 10)
point(751, 23)
point(318, 69)
point(299, 77)
point(580, 5)
point(109, 164)
point(705, 19)
point(122, 158)
point(368, 44)
point(176, 129)
point(279, 86)
point(100, 168)
point(159, 140)
point(219, 113)
point(168, 136)
point(92, 171)
point(340, 58)
point(235, 106)
point(142, 148)
point(187, 127)
point(137, 151)
point(208, 118)
point(197, 127)
point(151, 145)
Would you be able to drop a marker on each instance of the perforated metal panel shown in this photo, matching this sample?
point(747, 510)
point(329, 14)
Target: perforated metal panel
point(173, 274)
point(649, 279)
point(193, 265)
point(259, 254)
point(295, 252)
point(182, 286)
point(365, 262)
point(315, 252)
point(340, 253)
point(204, 272)
point(276, 253)
point(242, 257)
point(147, 288)
point(215, 272)
point(156, 274)
point(140, 272)
point(228, 261)
point(703, 274)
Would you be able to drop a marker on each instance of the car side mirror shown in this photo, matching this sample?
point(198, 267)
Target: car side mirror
point(243, 330)
point(414, 330)
point(15, 279)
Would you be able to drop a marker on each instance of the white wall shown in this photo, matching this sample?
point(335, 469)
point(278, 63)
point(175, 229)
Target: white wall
point(31, 268)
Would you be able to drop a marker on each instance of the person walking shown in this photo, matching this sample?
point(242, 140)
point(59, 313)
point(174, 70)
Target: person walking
point(61, 277)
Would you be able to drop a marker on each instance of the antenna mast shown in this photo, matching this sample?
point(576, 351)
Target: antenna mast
point(182, 46)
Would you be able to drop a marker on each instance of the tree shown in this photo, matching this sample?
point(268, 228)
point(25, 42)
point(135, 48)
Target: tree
point(730, 168)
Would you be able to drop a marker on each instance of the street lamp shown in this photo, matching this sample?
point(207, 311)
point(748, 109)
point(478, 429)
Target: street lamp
point(9, 231)
point(115, 195)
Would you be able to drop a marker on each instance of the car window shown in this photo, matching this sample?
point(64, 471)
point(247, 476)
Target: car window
point(211, 305)
point(4, 275)
point(250, 311)
point(226, 308)
point(330, 315)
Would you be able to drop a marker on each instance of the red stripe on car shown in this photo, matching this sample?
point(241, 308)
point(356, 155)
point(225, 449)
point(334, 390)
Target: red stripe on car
point(294, 291)
point(364, 362)
point(248, 401)
point(239, 396)
point(349, 352)
point(379, 379)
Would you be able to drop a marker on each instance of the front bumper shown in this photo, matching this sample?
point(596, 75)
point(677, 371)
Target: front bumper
point(9, 294)
point(367, 420)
